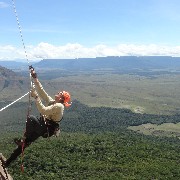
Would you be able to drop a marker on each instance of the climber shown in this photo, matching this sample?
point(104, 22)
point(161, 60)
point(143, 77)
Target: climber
point(47, 124)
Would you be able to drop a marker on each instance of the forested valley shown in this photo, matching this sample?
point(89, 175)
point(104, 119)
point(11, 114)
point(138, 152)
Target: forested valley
point(94, 144)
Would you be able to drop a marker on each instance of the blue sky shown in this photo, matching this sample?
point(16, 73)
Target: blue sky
point(89, 28)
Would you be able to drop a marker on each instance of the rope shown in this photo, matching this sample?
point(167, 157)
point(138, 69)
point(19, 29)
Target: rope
point(20, 31)
point(31, 83)
point(13, 102)
point(22, 39)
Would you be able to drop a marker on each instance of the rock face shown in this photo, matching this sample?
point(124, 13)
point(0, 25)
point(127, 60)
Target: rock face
point(4, 175)
point(12, 85)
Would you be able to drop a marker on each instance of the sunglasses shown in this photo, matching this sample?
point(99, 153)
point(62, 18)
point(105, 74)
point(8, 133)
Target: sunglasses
point(60, 93)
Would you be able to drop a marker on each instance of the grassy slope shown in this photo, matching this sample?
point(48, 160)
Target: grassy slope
point(154, 95)
point(166, 129)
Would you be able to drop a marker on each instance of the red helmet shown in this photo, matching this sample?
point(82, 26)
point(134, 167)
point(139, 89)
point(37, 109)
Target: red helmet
point(67, 98)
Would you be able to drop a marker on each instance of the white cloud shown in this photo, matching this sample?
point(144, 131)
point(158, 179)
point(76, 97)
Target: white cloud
point(3, 4)
point(48, 51)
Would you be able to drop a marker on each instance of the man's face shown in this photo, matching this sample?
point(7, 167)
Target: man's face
point(59, 96)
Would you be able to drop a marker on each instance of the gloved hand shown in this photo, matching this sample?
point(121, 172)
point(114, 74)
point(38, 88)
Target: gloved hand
point(34, 94)
point(33, 73)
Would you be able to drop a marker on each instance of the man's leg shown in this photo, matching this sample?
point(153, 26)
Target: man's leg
point(34, 129)
point(14, 155)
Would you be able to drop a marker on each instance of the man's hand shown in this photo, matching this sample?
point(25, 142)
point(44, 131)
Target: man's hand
point(33, 73)
point(34, 94)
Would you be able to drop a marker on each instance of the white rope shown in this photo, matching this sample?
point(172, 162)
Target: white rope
point(22, 39)
point(20, 31)
point(13, 102)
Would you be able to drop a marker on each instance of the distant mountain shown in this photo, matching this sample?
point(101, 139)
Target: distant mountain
point(6, 73)
point(124, 63)
point(14, 65)
point(112, 63)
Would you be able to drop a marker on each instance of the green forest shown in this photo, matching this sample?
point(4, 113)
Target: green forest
point(94, 144)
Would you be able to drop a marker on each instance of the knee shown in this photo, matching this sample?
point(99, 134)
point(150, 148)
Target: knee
point(31, 119)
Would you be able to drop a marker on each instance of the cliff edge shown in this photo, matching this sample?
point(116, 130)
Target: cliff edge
point(4, 175)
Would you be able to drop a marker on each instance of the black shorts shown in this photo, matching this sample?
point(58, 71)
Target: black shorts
point(36, 127)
